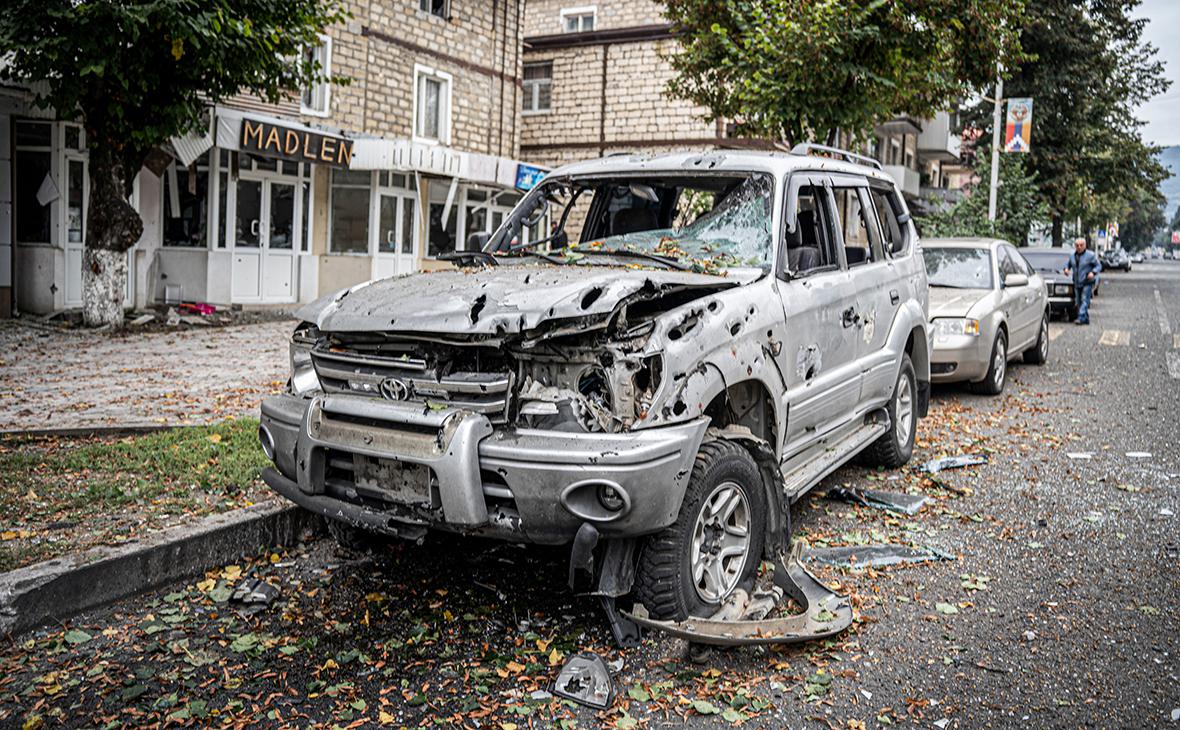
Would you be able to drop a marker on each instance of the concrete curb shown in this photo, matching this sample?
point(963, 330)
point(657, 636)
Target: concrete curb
point(131, 429)
point(63, 587)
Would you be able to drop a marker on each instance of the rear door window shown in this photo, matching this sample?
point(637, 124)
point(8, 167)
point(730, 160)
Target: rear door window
point(861, 244)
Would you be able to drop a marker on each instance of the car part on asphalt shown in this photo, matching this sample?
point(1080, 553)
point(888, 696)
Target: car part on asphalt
point(825, 613)
point(874, 556)
point(254, 591)
point(953, 462)
point(585, 679)
point(892, 501)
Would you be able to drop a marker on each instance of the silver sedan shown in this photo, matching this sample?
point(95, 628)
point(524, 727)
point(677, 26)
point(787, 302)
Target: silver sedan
point(987, 306)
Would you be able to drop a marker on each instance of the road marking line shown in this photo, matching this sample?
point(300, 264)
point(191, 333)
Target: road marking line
point(1174, 364)
point(1165, 327)
point(1115, 338)
point(1055, 332)
point(1175, 340)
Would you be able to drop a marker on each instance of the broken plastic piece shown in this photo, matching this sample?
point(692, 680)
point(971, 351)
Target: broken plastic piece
point(874, 556)
point(825, 613)
point(954, 462)
point(255, 591)
point(893, 501)
point(586, 680)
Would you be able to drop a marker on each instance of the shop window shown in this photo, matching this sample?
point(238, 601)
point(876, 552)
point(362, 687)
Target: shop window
point(437, 8)
point(315, 98)
point(442, 235)
point(76, 201)
point(34, 134)
point(186, 209)
point(350, 212)
point(578, 20)
point(538, 87)
point(432, 105)
point(32, 218)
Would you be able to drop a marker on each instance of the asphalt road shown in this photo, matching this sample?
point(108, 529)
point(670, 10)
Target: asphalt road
point(1060, 610)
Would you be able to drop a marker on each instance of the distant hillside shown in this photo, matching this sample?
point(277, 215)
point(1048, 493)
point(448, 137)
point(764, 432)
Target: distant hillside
point(1170, 157)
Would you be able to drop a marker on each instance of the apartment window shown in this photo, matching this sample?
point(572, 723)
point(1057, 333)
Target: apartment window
point(538, 86)
point(315, 96)
point(578, 20)
point(437, 8)
point(432, 105)
point(350, 211)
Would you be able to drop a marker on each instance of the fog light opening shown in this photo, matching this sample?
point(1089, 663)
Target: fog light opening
point(267, 441)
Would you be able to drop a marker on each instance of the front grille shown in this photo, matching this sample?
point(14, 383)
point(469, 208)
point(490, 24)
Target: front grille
point(410, 379)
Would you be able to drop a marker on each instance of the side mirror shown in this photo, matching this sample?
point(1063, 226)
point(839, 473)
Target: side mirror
point(477, 241)
point(1015, 280)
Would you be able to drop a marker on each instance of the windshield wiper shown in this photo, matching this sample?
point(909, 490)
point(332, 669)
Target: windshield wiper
point(665, 260)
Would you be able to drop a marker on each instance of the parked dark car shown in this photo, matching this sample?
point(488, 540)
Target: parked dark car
point(1050, 263)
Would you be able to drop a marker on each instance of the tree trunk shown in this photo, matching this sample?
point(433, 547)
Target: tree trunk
point(112, 227)
point(1058, 238)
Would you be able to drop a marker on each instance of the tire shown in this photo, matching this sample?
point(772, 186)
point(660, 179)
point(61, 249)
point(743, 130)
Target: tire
point(352, 539)
point(664, 580)
point(1038, 354)
point(997, 370)
point(895, 448)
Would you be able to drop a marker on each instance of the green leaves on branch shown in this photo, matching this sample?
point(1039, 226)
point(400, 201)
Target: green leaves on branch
point(795, 70)
point(1018, 205)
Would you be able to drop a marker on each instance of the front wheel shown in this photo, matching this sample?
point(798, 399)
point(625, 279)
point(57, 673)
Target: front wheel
point(895, 447)
point(690, 567)
point(1038, 354)
point(997, 371)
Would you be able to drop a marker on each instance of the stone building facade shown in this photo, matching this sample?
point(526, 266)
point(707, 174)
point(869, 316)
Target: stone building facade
point(430, 121)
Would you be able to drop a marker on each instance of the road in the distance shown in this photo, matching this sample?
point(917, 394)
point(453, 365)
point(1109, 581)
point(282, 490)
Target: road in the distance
point(1062, 609)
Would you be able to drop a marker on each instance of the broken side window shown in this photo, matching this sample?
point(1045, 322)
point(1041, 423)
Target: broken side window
point(809, 242)
point(859, 246)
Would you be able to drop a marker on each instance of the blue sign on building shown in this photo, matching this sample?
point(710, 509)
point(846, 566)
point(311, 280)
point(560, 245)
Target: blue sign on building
point(527, 176)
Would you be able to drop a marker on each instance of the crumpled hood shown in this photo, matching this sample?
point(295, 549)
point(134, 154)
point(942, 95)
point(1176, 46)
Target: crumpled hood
point(498, 300)
point(947, 301)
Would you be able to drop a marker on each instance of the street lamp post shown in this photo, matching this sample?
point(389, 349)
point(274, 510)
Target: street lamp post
point(995, 182)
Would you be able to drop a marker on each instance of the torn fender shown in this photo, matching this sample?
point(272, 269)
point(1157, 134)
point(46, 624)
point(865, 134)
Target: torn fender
point(825, 614)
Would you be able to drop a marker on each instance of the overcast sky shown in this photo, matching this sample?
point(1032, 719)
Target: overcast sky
point(1162, 113)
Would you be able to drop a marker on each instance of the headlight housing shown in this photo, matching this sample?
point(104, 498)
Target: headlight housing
point(304, 380)
point(949, 327)
point(1061, 289)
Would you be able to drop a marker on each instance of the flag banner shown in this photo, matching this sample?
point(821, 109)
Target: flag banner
point(1019, 127)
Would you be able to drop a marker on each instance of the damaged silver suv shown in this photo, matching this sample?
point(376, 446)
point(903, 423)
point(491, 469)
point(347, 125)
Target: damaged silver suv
point(650, 360)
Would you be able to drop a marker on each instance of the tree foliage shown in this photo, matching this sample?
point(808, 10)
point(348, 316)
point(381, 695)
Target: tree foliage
point(1144, 221)
point(1088, 68)
point(1017, 205)
point(794, 70)
point(139, 72)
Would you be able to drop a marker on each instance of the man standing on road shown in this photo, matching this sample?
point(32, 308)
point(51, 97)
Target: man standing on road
point(1084, 266)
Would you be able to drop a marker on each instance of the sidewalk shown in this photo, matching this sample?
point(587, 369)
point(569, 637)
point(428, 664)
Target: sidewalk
point(76, 379)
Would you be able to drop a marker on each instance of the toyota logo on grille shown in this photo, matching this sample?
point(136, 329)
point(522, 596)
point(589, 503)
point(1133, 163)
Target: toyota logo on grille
point(394, 389)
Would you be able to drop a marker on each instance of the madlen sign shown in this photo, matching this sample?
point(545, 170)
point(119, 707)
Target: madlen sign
point(295, 145)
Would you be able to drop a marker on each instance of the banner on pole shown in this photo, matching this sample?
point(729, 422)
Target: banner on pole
point(1019, 126)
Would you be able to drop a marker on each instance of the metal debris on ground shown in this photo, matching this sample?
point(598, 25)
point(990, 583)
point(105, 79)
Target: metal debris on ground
point(141, 320)
point(954, 462)
point(586, 680)
point(1080, 455)
point(874, 556)
point(1138, 454)
point(825, 613)
point(254, 591)
point(893, 501)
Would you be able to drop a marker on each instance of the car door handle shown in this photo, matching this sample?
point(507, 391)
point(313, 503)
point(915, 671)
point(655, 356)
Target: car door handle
point(894, 297)
point(849, 317)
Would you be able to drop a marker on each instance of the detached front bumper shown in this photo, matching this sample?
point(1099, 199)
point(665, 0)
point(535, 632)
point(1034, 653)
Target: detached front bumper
point(958, 358)
point(522, 484)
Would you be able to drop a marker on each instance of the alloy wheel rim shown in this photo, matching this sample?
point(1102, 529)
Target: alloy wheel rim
point(720, 542)
point(904, 413)
point(1044, 338)
point(1000, 363)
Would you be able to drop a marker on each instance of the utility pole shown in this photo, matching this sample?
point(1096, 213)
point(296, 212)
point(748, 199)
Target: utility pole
point(991, 198)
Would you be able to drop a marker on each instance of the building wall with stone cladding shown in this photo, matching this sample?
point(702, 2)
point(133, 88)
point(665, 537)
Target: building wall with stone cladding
point(479, 45)
point(543, 17)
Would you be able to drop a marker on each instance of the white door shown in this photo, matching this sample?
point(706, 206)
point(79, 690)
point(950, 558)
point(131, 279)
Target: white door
point(396, 240)
point(77, 182)
point(266, 240)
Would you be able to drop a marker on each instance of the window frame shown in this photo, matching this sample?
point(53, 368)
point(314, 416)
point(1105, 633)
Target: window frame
point(369, 231)
point(446, 9)
point(421, 73)
point(326, 84)
point(857, 187)
point(531, 89)
point(892, 197)
point(581, 12)
point(821, 182)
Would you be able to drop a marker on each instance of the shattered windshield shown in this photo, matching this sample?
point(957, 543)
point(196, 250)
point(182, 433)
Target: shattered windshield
point(959, 268)
point(704, 223)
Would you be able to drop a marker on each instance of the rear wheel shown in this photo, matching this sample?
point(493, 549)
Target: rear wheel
point(690, 567)
point(997, 371)
point(894, 447)
point(1038, 354)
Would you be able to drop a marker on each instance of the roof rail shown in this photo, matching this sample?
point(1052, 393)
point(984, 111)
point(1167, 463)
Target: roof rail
point(806, 148)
